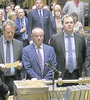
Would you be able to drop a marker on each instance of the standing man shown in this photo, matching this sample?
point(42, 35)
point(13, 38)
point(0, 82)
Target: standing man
point(89, 11)
point(10, 51)
point(36, 55)
point(39, 17)
point(70, 50)
point(75, 6)
point(21, 27)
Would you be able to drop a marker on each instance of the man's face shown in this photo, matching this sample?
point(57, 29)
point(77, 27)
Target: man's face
point(39, 4)
point(9, 32)
point(37, 37)
point(21, 13)
point(68, 25)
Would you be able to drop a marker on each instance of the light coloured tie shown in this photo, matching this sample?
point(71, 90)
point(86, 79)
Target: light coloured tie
point(70, 56)
point(40, 61)
point(41, 18)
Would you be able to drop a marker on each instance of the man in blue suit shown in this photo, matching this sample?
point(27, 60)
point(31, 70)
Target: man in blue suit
point(34, 62)
point(39, 17)
point(21, 27)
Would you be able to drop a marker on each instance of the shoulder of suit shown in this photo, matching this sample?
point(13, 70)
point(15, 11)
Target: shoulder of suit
point(58, 34)
point(80, 35)
point(48, 46)
point(17, 41)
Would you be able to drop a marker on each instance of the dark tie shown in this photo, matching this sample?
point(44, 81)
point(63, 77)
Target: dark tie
point(8, 59)
point(40, 61)
point(70, 56)
point(41, 18)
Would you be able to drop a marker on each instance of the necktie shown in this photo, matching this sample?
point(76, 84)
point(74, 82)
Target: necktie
point(8, 59)
point(70, 56)
point(22, 26)
point(40, 61)
point(41, 18)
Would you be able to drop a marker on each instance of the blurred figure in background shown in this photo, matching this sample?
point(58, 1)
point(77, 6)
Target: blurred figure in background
point(52, 9)
point(1, 21)
point(76, 6)
point(56, 24)
point(21, 27)
point(12, 15)
point(46, 7)
point(78, 27)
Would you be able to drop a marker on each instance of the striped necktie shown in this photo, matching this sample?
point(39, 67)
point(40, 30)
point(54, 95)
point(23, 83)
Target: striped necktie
point(40, 61)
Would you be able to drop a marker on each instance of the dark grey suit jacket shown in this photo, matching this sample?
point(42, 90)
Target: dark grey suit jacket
point(17, 47)
point(87, 60)
point(57, 41)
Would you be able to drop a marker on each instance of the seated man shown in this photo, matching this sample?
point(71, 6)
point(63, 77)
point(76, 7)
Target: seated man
point(35, 56)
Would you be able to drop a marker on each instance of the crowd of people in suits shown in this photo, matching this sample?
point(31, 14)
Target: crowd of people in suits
point(43, 38)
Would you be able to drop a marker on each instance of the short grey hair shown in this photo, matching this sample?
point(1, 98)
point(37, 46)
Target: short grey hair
point(37, 0)
point(10, 23)
point(37, 28)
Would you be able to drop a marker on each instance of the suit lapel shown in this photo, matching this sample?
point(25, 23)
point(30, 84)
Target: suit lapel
point(76, 44)
point(14, 49)
point(1, 51)
point(45, 53)
point(62, 42)
point(54, 23)
point(37, 14)
point(35, 54)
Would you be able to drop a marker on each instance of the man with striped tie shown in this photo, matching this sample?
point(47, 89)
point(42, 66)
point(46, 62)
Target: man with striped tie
point(36, 55)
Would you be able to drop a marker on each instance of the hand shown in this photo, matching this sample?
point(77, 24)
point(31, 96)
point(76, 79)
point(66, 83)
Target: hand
point(3, 66)
point(19, 66)
point(7, 95)
point(30, 42)
point(22, 30)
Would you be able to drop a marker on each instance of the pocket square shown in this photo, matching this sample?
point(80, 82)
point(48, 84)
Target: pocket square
point(46, 17)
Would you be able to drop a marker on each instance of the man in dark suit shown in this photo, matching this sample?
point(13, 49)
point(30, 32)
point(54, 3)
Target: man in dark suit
point(39, 17)
point(10, 51)
point(89, 11)
point(21, 27)
point(36, 55)
point(87, 60)
point(70, 50)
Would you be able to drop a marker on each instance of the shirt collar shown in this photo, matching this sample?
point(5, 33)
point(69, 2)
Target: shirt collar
point(66, 35)
point(5, 41)
point(76, 3)
point(41, 46)
point(40, 10)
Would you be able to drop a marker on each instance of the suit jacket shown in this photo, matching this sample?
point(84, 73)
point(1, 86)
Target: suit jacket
point(3, 89)
point(34, 21)
point(57, 41)
point(17, 34)
point(89, 9)
point(70, 7)
point(53, 26)
point(87, 60)
point(17, 48)
point(31, 62)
